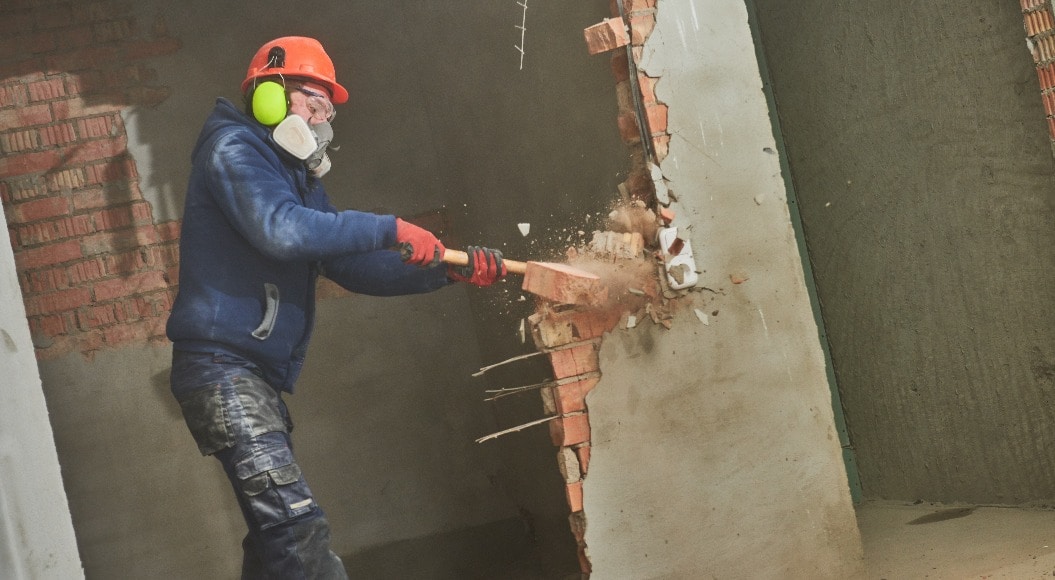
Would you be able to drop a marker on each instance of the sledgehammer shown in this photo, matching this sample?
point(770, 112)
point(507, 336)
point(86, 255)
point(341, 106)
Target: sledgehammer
point(557, 282)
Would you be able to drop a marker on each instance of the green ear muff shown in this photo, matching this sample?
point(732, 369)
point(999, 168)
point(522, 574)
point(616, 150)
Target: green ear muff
point(269, 103)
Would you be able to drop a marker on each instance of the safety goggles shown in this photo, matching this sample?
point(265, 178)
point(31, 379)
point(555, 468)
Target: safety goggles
point(318, 104)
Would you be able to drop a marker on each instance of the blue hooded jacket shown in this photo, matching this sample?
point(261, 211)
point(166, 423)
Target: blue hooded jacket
point(257, 231)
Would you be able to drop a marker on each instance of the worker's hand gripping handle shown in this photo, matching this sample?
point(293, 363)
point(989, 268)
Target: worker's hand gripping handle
point(460, 258)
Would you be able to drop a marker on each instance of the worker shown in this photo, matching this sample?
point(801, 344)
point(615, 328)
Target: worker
point(258, 229)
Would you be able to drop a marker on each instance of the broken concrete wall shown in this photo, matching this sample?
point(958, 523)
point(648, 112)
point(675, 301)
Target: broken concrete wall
point(922, 164)
point(713, 445)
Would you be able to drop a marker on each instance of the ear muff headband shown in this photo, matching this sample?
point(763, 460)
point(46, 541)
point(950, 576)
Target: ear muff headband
point(269, 103)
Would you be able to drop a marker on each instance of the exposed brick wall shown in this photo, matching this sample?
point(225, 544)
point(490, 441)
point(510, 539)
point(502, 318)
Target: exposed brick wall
point(1040, 36)
point(640, 20)
point(571, 336)
point(95, 271)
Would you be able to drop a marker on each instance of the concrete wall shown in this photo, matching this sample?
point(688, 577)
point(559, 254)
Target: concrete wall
point(918, 145)
point(714, 449)
point(36, 535)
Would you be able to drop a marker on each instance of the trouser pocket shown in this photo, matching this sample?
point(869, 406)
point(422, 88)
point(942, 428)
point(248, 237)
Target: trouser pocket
point(270, 482)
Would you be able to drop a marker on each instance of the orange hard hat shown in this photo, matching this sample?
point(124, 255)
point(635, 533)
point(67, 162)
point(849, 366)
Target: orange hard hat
point(296, 56)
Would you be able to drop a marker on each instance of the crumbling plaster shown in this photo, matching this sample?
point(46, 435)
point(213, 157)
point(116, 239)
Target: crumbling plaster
point(714, 448)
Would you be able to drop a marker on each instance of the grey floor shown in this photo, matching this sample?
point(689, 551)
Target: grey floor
point(933, 541)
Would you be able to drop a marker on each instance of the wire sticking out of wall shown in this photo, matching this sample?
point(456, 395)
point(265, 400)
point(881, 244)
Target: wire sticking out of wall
point(523, 31)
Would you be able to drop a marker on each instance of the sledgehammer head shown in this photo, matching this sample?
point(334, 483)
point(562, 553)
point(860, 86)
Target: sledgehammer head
point(564, 284)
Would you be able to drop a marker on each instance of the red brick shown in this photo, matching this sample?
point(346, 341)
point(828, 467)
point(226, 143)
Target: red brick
point(169, 231)
point(59, 301)
point(570, 430)
point(21, 189)
point(102, 126)
point(631, 6)
point(157, 304)
point(19, 141)
point(551, 328)
point(66, 180)
point(661, 146)
point(13, 95)
point(60, 134)
point(573, 491)
point(86, 271)
point(51, 326)
point(48, 255)
point(129, 262)
point(130, 285)
point(45, 232)
point(26, 116)
point(92, 317)
point(138, 331)
point(118, 169)
point(47, 90)
point(648, 88)
point(577, 360)
point(118, 241)
point(121, 217)
point(583, 452)
point(93, 198)
point(48, 280)
point(25, 163)
point(571, 397)
point(564, 284)
point(641, 26)
point(657, 118)
point(89, 151)
point(607, 35)
point(40, 209)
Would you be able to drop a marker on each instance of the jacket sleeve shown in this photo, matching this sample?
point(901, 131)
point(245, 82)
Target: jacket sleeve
point(258, 195)
point(383, 273)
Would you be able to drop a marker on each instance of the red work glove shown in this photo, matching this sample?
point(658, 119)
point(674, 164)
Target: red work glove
point(418, 245)
point(485, 267)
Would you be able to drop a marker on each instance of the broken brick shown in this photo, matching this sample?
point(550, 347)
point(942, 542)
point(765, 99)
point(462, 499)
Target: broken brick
point(570, 430)
point(573, 491)
point(551, 329)
point(571, 397)
point(564, 284)
point(606, 35)
point(577, 360)
point(628, 245)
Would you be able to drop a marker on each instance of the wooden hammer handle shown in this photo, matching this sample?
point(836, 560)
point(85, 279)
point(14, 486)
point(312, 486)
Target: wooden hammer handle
point(460, 258)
